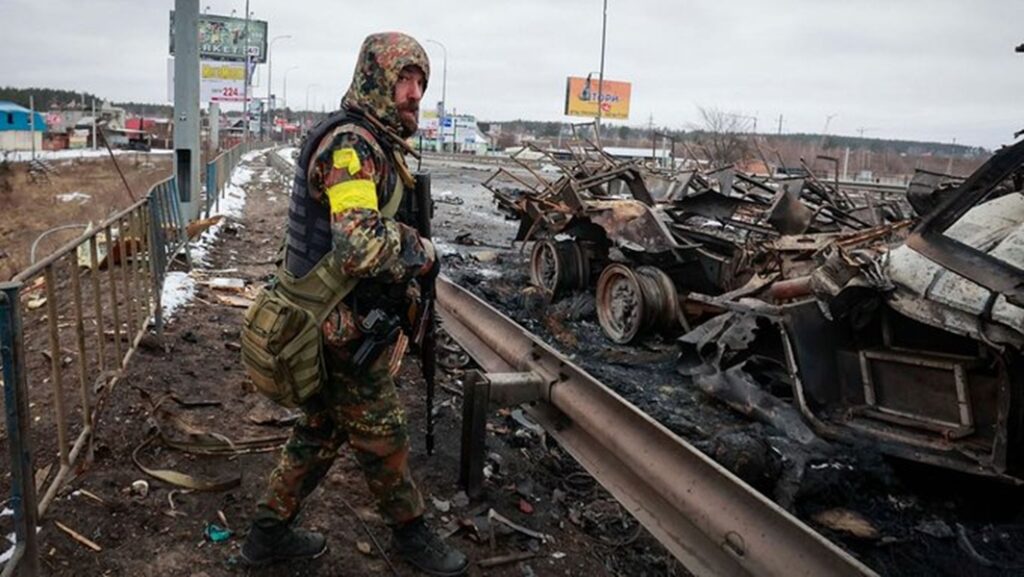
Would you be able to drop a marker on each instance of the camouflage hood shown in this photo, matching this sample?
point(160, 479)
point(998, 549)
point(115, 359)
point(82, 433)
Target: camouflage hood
point(381, 59)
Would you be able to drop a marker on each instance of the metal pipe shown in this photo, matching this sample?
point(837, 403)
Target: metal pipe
point(112, 283)
point(55, 369)
point(122, 245)
point(444, 93)
point(94, 274)
point(713, 522)
point(76, 291)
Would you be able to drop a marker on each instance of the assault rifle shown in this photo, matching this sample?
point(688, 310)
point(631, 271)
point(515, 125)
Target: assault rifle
point(423, 211)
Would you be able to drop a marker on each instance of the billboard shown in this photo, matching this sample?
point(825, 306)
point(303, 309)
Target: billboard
point(581, 97)
point(219, 81)
point(223, 38)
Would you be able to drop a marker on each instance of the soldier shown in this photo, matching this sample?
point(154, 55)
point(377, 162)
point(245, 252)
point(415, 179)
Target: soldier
point(350, 177)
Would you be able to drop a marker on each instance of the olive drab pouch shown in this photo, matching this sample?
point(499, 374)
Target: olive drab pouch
point(281, 349)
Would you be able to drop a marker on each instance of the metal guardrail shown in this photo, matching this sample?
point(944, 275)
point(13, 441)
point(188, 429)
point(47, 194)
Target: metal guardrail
point(85, 307)
point(713, 522)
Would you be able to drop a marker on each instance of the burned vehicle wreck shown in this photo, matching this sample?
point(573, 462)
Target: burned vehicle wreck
point(911, 345)
point(920, 349)
point(824, 312)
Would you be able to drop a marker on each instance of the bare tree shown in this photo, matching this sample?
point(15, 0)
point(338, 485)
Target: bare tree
point(723, 136)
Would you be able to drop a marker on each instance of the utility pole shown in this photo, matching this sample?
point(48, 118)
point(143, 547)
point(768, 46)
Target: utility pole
point(214, 117)
point(444, 93)
point(650, 126)
point(245, 89)
point(600, 76)
point(270, 109)
point(455, 131)
point(780, 125)
point(32, 123)
point(186, 106)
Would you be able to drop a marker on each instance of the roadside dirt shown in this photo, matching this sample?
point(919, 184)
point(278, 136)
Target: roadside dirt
point(80, 191)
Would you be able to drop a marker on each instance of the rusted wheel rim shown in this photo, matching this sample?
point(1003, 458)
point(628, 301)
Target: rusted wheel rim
point(558, 267)
point(545, 267)
point(620, 303)
point(661, 298)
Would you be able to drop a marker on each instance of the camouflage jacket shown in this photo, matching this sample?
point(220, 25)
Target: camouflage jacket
point(355, 171)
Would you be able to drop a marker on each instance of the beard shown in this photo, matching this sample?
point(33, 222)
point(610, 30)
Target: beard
point(408, 118)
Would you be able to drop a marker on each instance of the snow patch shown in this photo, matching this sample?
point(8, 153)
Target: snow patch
point(252, 155)
point(288, 154)
point(179, 288)
point(6, 555)
point(73, 196)
point(232, 203)
point(71, 154)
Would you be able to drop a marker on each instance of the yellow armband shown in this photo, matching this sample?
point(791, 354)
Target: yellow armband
point(352, 194)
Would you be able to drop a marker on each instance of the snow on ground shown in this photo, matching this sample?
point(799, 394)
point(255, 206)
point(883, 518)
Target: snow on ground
point(81, 197)
point(288, 154)
point(6, 555)
point(11, 538)
point(252, 155)
point(72, 154)
point(232, 203)
point(179, 288)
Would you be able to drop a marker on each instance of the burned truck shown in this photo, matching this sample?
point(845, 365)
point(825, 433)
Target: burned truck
point(898, 322)
point(912, 345)
point(642, 238)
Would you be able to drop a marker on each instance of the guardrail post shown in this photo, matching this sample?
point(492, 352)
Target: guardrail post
point(23, 491)
point(476, 393)
point(211, 185)
point(157, 260)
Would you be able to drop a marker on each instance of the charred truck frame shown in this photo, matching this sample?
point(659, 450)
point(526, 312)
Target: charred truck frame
point(912, 343)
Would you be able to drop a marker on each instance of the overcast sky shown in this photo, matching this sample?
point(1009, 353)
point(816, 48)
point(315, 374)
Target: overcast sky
point(917, 69)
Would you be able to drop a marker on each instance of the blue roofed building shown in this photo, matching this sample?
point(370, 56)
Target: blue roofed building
point(16, 128)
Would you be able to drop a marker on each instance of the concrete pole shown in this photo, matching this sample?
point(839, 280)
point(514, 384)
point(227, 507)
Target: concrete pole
point(186, 106)
point(846, 162)
point(94, 124)
point(32, 123)
point(245, 89)
point(444, 94)
point(214, 144)
point(600, 77)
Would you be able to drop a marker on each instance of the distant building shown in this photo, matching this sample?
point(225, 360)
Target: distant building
point(16, 127)
point(459, 133)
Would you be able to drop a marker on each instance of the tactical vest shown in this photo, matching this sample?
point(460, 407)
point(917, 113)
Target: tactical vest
point(282, 342)
point(311, 274)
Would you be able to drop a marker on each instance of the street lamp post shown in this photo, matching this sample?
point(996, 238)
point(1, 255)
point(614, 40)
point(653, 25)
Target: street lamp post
point(444, 92)
point(270, 109)
point(284, 95)
point(600, 78)
point(308, 87)
point(245, 87)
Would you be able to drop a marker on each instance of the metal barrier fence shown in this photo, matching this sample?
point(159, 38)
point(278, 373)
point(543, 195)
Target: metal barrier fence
point(85, 308)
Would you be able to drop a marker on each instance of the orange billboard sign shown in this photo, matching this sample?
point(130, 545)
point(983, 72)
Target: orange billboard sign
point(581, 97)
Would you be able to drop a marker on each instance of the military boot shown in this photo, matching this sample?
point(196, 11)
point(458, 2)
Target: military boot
point(424, 550)
point(264, 546)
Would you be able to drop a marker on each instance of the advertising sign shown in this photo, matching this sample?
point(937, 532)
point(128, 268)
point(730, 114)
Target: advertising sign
point(223, 38)
point(581, 98)
point(219, 81)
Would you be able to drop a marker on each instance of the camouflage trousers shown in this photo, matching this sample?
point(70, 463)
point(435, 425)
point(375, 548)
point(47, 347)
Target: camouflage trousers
point(363, 409)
